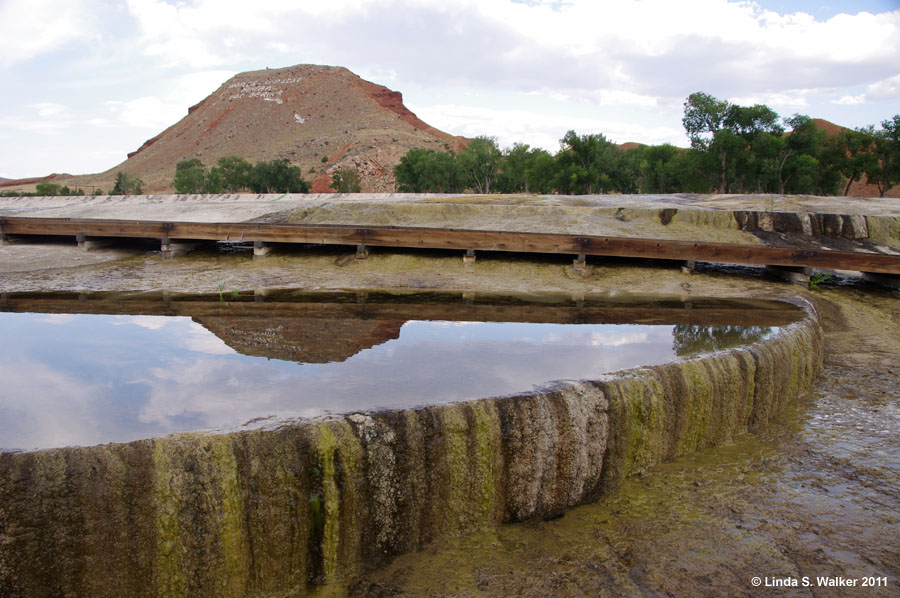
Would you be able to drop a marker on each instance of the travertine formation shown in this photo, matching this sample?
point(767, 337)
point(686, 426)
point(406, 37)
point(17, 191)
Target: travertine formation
point(277, 512)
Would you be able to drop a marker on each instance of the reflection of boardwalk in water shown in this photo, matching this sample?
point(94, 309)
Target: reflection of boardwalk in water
point(433, 306)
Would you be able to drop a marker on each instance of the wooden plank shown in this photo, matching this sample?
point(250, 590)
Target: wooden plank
point(436, 238)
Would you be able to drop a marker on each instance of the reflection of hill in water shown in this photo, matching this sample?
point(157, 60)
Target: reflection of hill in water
point(307, 340)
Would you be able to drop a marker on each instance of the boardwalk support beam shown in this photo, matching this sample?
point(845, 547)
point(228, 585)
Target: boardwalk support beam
point(362, 252)
point(170, 249)
point(261, 248)
point(794, 274)
point(87, 243)
point(469, 258)
point(888, 280)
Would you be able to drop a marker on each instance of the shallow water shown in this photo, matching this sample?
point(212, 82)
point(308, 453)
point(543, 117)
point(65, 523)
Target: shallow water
point(84, 379)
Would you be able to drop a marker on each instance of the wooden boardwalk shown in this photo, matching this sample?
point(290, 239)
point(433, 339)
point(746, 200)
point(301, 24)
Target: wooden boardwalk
point(173, 234)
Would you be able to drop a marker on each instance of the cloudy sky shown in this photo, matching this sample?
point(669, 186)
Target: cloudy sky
point(86, 81)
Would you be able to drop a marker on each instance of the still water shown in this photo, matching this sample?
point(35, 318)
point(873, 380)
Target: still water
point(85, 379)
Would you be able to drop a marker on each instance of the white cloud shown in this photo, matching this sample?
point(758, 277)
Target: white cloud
point(850, 100)
point(50, 110)
point(33, 27)
point(152, 112)
point(887, 89)
point(791, 99)
point(50, 119)
point(540, 129)
point(146, 112)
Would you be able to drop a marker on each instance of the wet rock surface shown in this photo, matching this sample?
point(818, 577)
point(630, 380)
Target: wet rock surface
point(811, 494)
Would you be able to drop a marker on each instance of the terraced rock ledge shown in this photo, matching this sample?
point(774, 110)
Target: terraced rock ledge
point(276, 512)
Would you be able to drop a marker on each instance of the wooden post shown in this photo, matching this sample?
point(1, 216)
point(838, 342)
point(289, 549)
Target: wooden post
point(361, 252)
point(88, 243)
point(4, 239)
point(261, 248)
point(888, 280)
point(688, 266)
point(469, 258)
point(170, 249)
point(580, 264)
point(794, 274)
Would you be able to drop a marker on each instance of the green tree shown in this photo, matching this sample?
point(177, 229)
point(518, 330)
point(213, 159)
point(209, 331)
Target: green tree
point(277, 176)
point(47, 189)
point(853, 152)
point(725, 133)
point(233, 173)
point(800, 171)
point(127, 184)
point(703, 116)
point(627, 174)
point(586, 164)
point(481, 162)
point(428, 171)
point(190, 176)
point(346, 180)
point(658, 174)
point(883, 169)
point(526, 169)
point(541, 171)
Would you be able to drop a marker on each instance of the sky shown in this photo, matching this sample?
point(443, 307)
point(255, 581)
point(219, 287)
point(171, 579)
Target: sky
point(86, 81)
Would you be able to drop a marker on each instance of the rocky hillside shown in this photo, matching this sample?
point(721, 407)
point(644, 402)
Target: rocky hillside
point(318, 117)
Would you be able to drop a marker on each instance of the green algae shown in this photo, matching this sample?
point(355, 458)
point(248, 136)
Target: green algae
point(170, 572)
point(884, 230)
point(232, 531)
point(325, 509)
point(487, 465)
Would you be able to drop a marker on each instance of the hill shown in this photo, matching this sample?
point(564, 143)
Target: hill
point(859, 188)
point(317, 117)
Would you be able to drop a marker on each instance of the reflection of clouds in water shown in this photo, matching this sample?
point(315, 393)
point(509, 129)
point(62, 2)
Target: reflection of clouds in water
point(617, 340)
point(56, 318)
point(200, 340)
point(174, 375)
point(148, 322)
point(227, 392)
point(43, 407)
point(221, 391)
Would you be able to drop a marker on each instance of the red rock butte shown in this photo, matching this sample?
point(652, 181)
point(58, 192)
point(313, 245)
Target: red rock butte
point(319, 118)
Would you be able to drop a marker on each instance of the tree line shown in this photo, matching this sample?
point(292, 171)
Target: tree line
point(734, 149)
point(125, 184)
point(232, 174)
